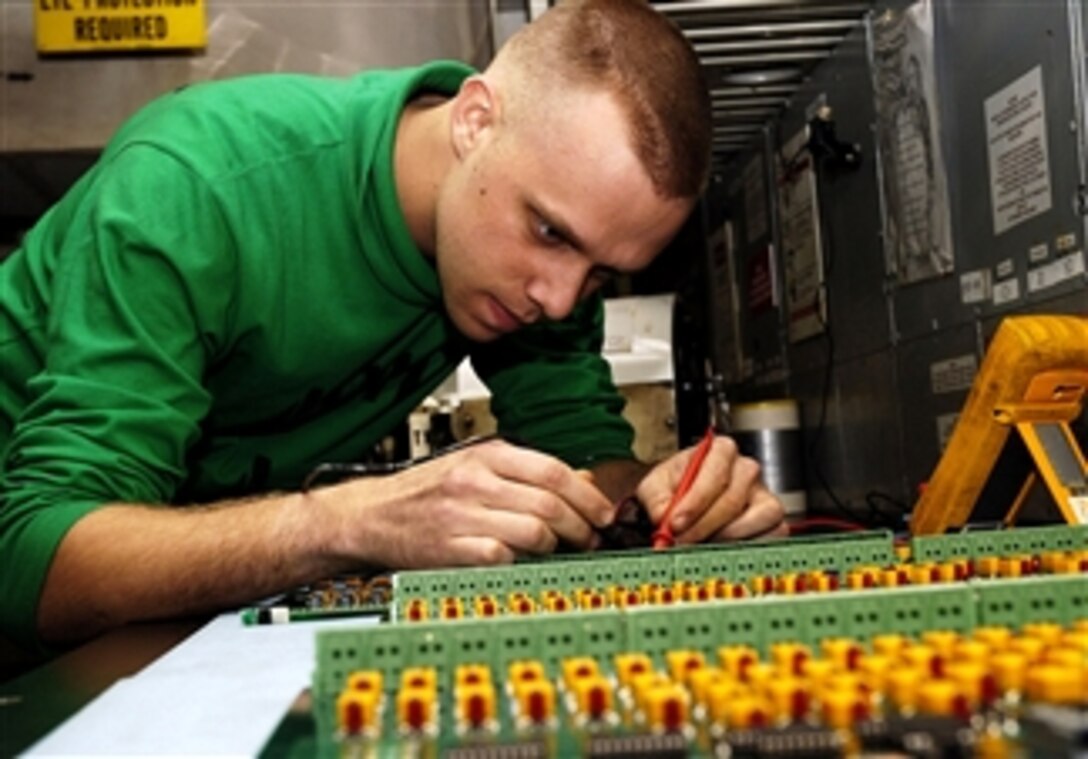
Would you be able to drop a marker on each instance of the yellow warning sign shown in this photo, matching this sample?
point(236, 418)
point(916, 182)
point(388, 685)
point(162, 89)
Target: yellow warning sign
point(85, 26)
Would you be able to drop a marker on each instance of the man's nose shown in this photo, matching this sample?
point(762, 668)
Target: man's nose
point(555, 289)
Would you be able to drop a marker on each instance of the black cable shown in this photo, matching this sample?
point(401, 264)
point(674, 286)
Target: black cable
point(893, 520)
point(356, 469)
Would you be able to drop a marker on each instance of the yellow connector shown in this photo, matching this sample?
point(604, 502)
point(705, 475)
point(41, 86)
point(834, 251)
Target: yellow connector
point(790, 657)
point(471, 674)
point(994, 636)
point(628, 666)
point(357, 712)
point(1059, 685)
point(789, 698)
point(417, 610)
point(419, 677)
point(485, 606)
point(593, 698)
point(790, 584)
point(662, 595)
point(524, 672)
point(974, 681)
point(987, 566)
point(1048, 632)
point(842, 709)
point(890, 645)
point(667, 707)
point(416, 709)
point(626, 597)
point(743, 711)
point(591, 599)
point(519, 603)
point(476, 706)
point(701, 680)
point(942, 697)
point(557, 602)
point(844, 652)
point(761, 585)
point(681, 664)
point(536, 702)
point(365, 680)
point(451, 608)
point(942, 641)
point(578, 668)
point(737, 660)
point(1010, 670)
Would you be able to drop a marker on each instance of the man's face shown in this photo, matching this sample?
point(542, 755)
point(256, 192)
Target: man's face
point(538, 213)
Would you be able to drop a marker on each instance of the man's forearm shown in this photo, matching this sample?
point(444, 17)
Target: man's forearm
point(126, 562)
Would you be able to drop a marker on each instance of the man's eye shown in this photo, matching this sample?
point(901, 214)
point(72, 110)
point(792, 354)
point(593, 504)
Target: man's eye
point(547, 233)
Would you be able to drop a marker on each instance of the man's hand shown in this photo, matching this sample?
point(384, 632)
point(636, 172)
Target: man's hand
point(727, 501)
point(481, 505)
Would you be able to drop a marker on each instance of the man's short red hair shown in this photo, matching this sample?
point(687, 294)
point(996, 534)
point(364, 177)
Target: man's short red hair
point(634, 52)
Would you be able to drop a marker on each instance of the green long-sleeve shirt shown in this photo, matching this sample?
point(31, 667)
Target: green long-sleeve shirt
point(231, 295)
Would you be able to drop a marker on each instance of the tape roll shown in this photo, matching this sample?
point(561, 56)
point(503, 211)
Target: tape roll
point(770, 432)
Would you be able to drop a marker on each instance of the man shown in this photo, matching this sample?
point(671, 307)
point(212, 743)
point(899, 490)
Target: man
point(266, 273)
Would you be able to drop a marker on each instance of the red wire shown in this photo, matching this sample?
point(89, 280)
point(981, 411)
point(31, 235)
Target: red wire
point(663, 537)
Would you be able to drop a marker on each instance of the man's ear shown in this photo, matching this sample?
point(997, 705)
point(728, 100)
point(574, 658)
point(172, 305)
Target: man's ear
point(475, 113)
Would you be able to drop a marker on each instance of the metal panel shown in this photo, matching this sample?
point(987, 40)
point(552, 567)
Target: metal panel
point(885, 415)
point(858, 449)
point(925, 404)
point(981, 48)
point(850, 213)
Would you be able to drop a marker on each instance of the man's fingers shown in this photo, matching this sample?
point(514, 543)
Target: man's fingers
point(764, 517)
point(544, 508)
point(728, 505)
point(550, 475)
point(475, 550)
point(713, 478)
point(522, 532)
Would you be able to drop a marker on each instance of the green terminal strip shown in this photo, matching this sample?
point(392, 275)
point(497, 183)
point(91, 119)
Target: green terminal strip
point(758, 622)
point(737, 562)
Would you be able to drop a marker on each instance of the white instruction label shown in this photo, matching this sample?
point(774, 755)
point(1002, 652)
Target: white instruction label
point(1056, 272)
point(1005, 269)
point(1018, 156)
point(1038, 253)
point(975, 286)
point(945, 424)
point(1006, 291)
point(1065, 242)
point(953, 375)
